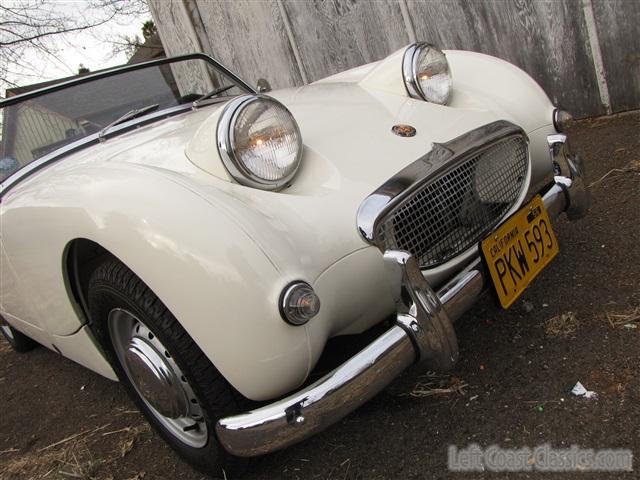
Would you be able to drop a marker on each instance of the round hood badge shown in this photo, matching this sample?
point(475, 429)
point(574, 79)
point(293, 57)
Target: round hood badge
point(404, 130)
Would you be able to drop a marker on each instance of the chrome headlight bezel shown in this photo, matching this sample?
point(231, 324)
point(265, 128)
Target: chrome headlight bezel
point(226, 144)
point(410, 73)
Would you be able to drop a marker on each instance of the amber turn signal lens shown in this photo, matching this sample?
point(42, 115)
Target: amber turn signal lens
point(299, 303)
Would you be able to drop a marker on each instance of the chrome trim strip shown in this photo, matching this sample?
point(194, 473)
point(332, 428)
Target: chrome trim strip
point(442, 156)
point(318, 406)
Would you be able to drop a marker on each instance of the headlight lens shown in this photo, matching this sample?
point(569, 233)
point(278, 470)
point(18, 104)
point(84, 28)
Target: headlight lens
point(259, 142)
point(426, 73)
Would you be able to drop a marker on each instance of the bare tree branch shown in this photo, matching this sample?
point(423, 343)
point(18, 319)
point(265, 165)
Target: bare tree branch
point(43, 26)
point(53, 32)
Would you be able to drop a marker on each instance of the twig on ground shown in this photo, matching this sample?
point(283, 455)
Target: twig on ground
point(69, 474)
point(621, 319)
point(561, 325)
point(437, 384)
point(74, 436)
point(537, 402)
point(125, 429)
point(633, 166)
point(48, 472)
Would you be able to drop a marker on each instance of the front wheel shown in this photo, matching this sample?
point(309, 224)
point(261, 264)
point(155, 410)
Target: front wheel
point(171, 380)
point(18, 340)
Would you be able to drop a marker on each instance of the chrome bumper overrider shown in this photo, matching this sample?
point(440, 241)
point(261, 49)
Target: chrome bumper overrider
point(423, 333)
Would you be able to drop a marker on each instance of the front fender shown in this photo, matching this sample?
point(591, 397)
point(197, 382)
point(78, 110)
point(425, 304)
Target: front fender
point(484, 82)
point(199, 261)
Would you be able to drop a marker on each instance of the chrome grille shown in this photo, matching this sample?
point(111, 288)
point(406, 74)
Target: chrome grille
point(453, 211)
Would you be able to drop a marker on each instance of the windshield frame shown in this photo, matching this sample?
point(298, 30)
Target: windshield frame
point(34, 166)
point(7, 102)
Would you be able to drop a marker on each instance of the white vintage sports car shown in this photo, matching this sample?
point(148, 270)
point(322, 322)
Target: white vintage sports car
point(168, 225)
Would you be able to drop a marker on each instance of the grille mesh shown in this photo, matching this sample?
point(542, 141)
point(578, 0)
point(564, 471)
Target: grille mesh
point(450, 213)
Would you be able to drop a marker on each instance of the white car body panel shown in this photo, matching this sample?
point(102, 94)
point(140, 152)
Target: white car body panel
point(218, 254)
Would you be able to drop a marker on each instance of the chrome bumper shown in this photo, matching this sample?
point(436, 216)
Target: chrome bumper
point(423, 332)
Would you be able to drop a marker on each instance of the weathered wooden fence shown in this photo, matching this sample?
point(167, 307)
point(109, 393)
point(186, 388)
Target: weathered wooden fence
point(585, 53)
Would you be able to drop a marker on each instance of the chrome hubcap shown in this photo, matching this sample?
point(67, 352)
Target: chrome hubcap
point(154, 378)
point(157, 378)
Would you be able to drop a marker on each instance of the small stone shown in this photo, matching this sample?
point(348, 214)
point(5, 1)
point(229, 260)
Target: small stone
point(528, 306)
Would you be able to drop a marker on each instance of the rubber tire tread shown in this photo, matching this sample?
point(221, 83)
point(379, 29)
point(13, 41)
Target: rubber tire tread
point(113, 285)
point(20, 342)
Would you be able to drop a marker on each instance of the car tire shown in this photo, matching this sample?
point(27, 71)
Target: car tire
point(18, 340)
point(164, 371)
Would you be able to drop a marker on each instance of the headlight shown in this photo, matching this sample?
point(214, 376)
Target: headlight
point(259, 142)
point(426, 73)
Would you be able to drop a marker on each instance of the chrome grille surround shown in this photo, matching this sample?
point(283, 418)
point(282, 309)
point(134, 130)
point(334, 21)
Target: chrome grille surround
point(445, 202)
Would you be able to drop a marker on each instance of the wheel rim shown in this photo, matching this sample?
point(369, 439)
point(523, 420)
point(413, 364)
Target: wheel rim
point(157, 379)
point(6, 329)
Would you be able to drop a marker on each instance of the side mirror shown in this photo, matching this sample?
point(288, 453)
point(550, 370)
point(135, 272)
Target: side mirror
point(263, 85)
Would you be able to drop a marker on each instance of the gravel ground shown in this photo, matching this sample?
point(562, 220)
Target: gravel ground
point(577, 322)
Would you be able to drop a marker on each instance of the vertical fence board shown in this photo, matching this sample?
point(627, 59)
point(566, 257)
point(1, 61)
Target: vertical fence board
point(547, 39)
point(249, 37)
point(618, 25)
point(171, 22)
point(335, 35)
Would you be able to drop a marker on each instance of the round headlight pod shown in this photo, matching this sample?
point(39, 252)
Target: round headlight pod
point(299, 303)
point(259, 142)
point(426, 73)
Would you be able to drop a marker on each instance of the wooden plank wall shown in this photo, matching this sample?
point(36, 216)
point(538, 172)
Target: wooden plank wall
point(172, 26)
point(291, 42)
point(546, 39)
point(333, 36)
point(249, 37)
point(618, 25)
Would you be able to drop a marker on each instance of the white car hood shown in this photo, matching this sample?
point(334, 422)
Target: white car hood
point(349, 130)
point(350, 151)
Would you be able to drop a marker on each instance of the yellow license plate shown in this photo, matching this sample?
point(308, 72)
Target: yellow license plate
point(519, 249)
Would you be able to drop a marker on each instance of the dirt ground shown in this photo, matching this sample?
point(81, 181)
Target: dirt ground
point(578, 322)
